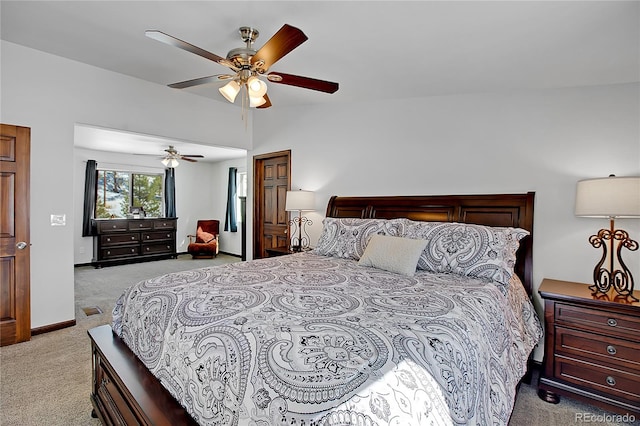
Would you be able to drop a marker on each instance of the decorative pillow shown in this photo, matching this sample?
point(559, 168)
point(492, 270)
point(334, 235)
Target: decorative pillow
point(393, 254)
point(348, 237)
point(204, 237)
point(466, 249)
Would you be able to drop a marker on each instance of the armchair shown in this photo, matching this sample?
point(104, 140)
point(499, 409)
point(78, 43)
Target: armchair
point(204, 244)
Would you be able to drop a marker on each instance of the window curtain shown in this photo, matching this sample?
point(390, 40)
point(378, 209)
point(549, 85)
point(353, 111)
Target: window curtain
point(230, 223)
point(170, 192)
point(90, 180)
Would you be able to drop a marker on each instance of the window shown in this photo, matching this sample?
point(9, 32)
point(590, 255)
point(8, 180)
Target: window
point(118, 191)
point(241, 185)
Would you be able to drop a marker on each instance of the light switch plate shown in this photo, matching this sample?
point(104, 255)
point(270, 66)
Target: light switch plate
point(58, 220)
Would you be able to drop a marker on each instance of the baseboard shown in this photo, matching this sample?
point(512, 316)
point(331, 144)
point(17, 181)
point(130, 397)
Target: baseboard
point(52, 327)
point(221, 252)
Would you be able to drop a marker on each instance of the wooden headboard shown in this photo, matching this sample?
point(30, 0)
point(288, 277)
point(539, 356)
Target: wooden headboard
point(515, 210)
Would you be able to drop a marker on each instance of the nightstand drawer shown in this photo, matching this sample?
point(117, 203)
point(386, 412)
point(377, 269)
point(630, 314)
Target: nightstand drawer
point(609, 323)
point(620, 384)
point(598, 348)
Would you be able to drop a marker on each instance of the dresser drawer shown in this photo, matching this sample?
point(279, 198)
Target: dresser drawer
point(164, 224)
point(157, 236)
point(609, 323)
point(140, 225)
point(110, 253)
point(617, 383)
point(157, 248)
point(598, 348)
point(112, 239)
point(111, 226)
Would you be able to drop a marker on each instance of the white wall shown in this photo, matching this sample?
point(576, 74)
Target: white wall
point(542, 141)
point(50, 95)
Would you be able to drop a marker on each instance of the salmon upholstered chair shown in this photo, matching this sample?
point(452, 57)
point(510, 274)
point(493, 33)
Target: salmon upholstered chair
point(204, 245)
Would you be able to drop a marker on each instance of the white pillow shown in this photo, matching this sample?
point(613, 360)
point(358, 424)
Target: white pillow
point(393, 254)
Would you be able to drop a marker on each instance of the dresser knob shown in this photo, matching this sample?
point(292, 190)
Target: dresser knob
point(611, 350)
point(611, 381)
point(612, 322)
point(133, 238)
point(108, 239)
point(114, 226)
point(133, 250)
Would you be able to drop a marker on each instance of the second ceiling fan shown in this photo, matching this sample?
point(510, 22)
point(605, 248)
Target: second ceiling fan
point(249, 66)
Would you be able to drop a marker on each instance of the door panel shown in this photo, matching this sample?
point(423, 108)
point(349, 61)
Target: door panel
point(271, 182)
point(15, 313)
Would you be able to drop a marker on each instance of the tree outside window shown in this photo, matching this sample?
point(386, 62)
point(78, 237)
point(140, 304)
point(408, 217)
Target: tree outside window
point(118, 191)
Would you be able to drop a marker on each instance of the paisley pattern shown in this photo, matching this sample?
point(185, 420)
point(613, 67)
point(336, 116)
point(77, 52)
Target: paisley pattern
point(308, 339)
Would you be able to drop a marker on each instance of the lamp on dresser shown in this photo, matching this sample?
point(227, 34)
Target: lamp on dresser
point(300, 201)
point(611, 197)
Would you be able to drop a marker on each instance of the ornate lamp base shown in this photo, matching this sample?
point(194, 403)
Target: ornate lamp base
point(619, 278)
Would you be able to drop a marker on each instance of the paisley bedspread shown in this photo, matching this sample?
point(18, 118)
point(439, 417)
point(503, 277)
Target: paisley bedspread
point(307, 339)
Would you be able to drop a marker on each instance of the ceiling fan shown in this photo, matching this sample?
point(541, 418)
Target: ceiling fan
point(172, 156)
point(250, 67)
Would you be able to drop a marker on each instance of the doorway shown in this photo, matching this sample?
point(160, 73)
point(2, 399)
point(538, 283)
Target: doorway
point(271, 181)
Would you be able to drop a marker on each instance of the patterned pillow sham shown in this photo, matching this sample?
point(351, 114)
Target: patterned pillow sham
point(466, 249)
point(347, 238)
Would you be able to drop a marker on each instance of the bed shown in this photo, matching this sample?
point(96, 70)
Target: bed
point(383, 323)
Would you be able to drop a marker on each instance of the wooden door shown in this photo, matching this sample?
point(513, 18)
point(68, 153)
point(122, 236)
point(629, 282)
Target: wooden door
point(271, 182)
point(15, 306)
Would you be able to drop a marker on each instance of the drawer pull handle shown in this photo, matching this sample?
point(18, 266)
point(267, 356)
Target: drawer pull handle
point(133, 250)
point(108, 252)
point(611, 381)
point(611, 350)
point(108, 239)
point(611, 322)
point(133, 238)
point(114, 226)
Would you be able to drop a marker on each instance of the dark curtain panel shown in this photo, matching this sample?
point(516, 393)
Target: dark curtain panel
point(90, 179)
point(170, 192)
point(230, 223)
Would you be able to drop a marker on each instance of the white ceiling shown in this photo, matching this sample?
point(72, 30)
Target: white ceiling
point(375, 50)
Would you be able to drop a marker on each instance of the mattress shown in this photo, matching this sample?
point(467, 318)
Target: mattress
point(307, 339)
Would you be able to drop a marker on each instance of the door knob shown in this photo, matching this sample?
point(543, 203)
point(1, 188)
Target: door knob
point(21, 245)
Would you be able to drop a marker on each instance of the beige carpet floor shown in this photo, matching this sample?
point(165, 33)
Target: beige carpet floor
point(47, 381)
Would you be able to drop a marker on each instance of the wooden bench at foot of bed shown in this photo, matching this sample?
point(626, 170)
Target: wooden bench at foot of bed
point(123, 390)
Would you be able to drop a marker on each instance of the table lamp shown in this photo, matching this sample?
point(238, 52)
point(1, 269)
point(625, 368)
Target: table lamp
point(611, 197)
point(300, 201)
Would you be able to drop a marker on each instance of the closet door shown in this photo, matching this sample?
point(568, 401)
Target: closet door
point(15, 307)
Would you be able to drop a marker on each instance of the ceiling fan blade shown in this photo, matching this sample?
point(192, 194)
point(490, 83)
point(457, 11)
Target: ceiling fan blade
point(304, 82)
point(202, 80)
point(284, 41)
point(182, 157)
point(267, 104)
point(194, 156)
point(172, 41)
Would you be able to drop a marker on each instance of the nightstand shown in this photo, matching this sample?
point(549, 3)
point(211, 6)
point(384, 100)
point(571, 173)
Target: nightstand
point(592, 347)
point(278, 251)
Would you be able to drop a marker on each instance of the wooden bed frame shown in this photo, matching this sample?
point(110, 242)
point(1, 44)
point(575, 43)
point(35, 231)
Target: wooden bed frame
point(124, 392)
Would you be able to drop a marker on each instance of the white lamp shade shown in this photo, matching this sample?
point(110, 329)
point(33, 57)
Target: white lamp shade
point(230, 90)
point(170, 162)
point(608, 197)
point(300, 200)
point(256, 102)
point(257, 88)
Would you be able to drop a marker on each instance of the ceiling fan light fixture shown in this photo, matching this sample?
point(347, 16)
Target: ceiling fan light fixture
point(170, 162)
point(257, 88)
point(256, 102)
point(230, 90)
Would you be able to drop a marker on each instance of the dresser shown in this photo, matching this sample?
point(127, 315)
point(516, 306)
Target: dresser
point(592, 347)
point(133, 240)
